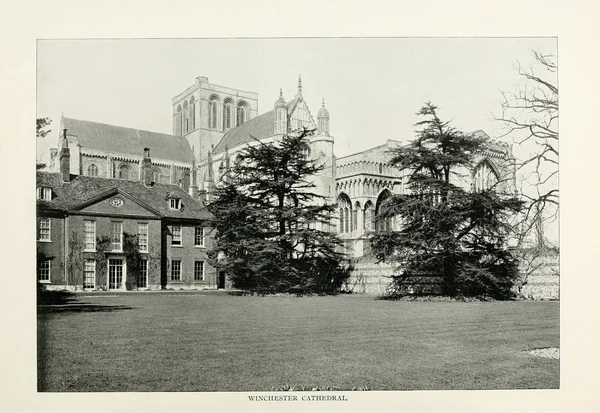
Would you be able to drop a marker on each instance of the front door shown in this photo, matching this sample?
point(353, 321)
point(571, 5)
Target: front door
point(115, 273)
point(221, 283)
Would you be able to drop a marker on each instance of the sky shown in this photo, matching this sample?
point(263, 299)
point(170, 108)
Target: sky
point(372, 86)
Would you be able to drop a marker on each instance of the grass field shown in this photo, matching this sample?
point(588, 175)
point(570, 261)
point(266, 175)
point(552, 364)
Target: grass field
point(217, 342)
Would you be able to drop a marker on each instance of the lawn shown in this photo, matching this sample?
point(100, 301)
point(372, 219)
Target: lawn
point(213, 341)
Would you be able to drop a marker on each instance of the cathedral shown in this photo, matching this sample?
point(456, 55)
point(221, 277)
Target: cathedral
point(212, 123)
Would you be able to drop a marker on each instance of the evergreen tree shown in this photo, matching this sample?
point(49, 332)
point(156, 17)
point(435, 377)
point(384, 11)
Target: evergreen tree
point(271, 228)
point(454, 235)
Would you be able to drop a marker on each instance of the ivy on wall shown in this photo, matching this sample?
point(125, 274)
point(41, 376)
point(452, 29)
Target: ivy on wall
point(103, 248)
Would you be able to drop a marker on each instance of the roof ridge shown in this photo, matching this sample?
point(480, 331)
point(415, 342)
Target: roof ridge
point(119, 126)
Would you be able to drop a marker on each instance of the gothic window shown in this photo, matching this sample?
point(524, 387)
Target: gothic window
point(383, 224)
point(185, 118)
point(213, 112)
point(305, 151)
point(192, 114)
point(227, 114)
point(124, 172)
point(92, 170)
point(368, 217)
point(178, 121)
point(347, 222)
point(345, 213)
point(241, 112)
point(484, 177)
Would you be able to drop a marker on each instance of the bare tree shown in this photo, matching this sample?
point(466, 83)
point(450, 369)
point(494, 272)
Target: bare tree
point(530, 115)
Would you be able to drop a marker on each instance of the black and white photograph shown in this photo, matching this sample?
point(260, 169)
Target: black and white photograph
point(292, 216)
point(299, 206)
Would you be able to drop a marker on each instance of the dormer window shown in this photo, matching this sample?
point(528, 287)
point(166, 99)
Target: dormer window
point(44, 193)
point(175, 203)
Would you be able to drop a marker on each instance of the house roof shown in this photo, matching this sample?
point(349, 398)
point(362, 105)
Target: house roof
point(260, 127)
point(104, 137)
point(68, 196)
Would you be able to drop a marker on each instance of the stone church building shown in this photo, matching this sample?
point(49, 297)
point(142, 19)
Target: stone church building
point(212, 123)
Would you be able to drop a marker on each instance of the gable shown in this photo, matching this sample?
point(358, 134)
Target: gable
point(118, 203)
point(301, 117)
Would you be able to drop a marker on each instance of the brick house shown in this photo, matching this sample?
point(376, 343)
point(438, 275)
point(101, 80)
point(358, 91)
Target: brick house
point(97, 233)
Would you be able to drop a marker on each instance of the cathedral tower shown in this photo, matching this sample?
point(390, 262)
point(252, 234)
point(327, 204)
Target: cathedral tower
point(204, 112)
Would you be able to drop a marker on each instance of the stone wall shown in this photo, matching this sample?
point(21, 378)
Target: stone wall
point(370, 277)
point(543, 283)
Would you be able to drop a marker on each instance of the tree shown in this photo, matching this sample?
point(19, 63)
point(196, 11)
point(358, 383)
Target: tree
point(41, 132)
point(530, 115)
point(270, 226)
point(40, 125)
point(451, 235)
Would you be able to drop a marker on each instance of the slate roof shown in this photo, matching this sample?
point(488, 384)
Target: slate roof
point(104, 137)
point(260, 127)
point(69, 195)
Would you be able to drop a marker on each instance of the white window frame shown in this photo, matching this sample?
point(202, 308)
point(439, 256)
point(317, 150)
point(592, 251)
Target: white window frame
point(143, 273)
point(49, 265)
point(118, 244)
point(177, 236)
point(48, 237)
point(175, 203)
point(87, 270)
point(180, 270)
point(143, 246)
point(201, 269)
point(202, 236)
point(89, 244)
point(44, 193)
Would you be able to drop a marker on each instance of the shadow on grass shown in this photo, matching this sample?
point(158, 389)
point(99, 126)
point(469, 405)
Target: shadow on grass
point(54, 297)
point(81, 308)
point(63, 302)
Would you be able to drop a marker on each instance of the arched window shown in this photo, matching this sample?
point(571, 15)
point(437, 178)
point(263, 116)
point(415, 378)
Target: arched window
point(305, 150)
point(192, 115)
point(485, 176)
point(155, 175)
point(383, 224)
point(124, 172)
point(368, 217)
point(355, 213)
point(345, 213)
point(178, 121)
point(213, 112)
point(186, 121)
point(227, 114)
point(242, 107)
point(92, 170)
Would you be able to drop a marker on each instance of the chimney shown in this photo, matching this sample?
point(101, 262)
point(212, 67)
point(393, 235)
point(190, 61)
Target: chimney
point(147, 167)
point(65, 158)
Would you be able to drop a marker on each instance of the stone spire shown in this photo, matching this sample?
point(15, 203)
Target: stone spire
point(281, 101)
point(323, 119)
point(280, 126)
point(209, 166)
point(299, 86)
point(209, 178)
point(194, 184)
